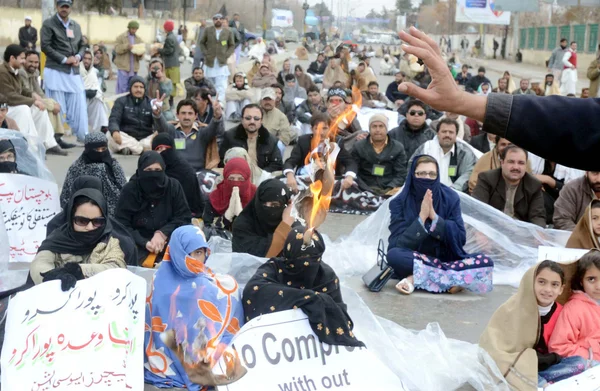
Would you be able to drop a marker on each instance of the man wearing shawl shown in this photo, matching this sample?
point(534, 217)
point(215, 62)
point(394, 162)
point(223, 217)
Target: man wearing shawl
point(573, 200)
point(202, 310)
point(97, 114)
point(585, 234)
point(428, 235)
point(126, 61)
point(237, 96)
point(299, 279)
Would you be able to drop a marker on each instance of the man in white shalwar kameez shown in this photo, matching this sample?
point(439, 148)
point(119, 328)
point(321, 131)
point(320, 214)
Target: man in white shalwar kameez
point(569, 75)
point(97, 117)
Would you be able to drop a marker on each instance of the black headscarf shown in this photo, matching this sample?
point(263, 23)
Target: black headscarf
point(82, 182)
point(65, 240)
point(301, 280)
point(271, 190)
point(151, 185)
point(90, 155)
point(8, 167)
point(181, 170)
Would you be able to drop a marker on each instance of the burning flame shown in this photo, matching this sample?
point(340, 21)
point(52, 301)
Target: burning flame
point(322, 189)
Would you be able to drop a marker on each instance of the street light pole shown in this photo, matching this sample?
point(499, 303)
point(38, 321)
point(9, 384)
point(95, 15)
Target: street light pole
point(264, 21)
point(305, 7)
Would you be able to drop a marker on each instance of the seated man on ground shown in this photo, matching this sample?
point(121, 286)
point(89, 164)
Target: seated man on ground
point(392, 93)
point(373, 98)
point(237, 96)
point(130, 122)
point(428, 235)
point(263, 225)
point(83, 246)
point(317, 68)
point(292, 91)
point(489, 161)
point(30, 76)
point(380, 159)
point(523, 88)
point(5, 121)
point(573, 200)
point(414, 131)
point(204, 100)
point(197, 81)
point(455, 159)
point(351, 132)
point(151, 206)
point(502, 86)
point(97, 117)
point(313, 105)
point(285, 106)
point(483, 142)
point(294, 165)
point(511, 189)
point(254, 138)
point(275, 121)
point(196, 145)
point(26, 107)
point(265, 77)
point(464, 131)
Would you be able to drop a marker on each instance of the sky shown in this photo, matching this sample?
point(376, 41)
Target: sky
point(360, 7)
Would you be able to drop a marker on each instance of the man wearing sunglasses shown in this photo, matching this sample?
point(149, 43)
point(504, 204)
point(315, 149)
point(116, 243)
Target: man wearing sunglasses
point(218, 44)
point(254, 138)
point(413, 131)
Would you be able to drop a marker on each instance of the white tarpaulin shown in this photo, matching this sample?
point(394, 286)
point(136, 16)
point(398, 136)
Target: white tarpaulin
point(480, 11)
point(27, 204)
point(282, 18)
point(90, 337)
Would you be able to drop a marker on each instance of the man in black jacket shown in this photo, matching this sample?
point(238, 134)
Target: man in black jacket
point(483, 142)
point(130, 122)
point(63, 45)
point(28, 35)
point(413, 131)
point(255, 139)
point(317, 68)
point(345, 165)
point(381, 160)
point(477, 80)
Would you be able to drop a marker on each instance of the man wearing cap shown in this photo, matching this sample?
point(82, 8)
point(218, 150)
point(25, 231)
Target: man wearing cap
point(127, 62)
point(455, 159)
point(477, 80)
point(170, 57)
point(336, 106)
point(381, 160)
point(62, 43)
point(217, 44)
point(28, 35)
point(274, 120)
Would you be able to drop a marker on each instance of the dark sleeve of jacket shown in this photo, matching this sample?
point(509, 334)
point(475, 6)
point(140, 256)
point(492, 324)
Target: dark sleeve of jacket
point(548, 126)
point(301, 113)
point(275, 162)
point(565, 208)
point(313, 68)
point(347, 162)
point(280, 78)
point(125, 216)
point(296, 159)
point(393, 94)
point(190, 88)
point(399, 165)
point(181, 214)
point(168, 48)
point(162, 126)
point(484, 188)
point(245, 239)
point(114, 120)
point(225, 146)
point(413, 236)
point(48, 37)
point(214, 129)
point(537, 212)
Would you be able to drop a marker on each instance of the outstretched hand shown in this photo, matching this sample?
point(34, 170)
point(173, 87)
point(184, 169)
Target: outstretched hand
point(158, 103)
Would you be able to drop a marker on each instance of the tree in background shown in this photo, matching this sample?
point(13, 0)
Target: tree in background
point(404, 6)
point(103, 6)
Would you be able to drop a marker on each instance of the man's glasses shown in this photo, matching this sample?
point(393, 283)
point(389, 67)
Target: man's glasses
point(426, 174)
point(252, 118)
point(84, 221)
point(419, 113)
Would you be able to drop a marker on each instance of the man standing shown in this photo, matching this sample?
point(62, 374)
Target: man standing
point(568, 81)
point(474, 82)
point(551, 86)
point(25, 106)
point(218, 45)
point(573, 200)
point(236, 24)
point(593, 73)
point(98, 119)
point(127, 62)
point(197, 81)
point(198, 55)
point(555, 65)
point(524, 88)
point(28, 35)
point(495, 47)
point(170, 56)
point(413, 131)
point(62, 43)
point(512, 189)
point(30, 76)
point(381, 160)
point(455, 160)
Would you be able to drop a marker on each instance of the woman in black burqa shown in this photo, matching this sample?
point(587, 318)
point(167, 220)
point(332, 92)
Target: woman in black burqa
point(300, 279)
point(151, 207)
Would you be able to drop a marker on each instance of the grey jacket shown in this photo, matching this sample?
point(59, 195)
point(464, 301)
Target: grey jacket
point(57, 46)
point(170, 51)
point(465, 162)
point(410, 139)
point(572, 201)
point(555, 61)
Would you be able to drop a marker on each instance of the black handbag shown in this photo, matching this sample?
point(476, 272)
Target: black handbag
point(376, 278)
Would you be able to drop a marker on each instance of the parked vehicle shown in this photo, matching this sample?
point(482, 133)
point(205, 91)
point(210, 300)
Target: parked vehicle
point(291, 36)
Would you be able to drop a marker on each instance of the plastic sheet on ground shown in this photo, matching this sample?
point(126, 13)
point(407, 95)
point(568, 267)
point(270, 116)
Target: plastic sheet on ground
point(30, 161)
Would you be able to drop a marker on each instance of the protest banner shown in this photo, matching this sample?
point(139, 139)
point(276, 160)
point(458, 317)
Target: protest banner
point(28, 204)
point(560, 254)
point(586, 381)
point(282, 353)
point(88, 338)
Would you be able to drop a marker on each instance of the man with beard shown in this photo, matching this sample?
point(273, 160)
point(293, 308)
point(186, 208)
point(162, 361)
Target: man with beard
point(502, 86)
point(192, 141)
point(523, 88)
point(275, 121)
point(97, 117)
point(574, 198)
point(130, 122)
point(62, 43)
point(254, 138)
point(551, 86)
point(455, 160)
point(197, 81)
point(217, 44)
point(555, 65)
point(511, 189)
point(30, 76)
point(28, 35)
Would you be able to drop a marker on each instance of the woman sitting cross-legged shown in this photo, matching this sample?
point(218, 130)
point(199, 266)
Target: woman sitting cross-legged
point(84, 245)
point(151, 207)
point(428, 235)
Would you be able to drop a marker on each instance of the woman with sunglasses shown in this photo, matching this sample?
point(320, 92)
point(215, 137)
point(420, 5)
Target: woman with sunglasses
point(85, 245)
point(428, 235)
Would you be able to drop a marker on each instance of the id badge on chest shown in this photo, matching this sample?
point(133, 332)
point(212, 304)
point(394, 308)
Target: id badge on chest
point(451, 171)
point(179, 143)
point(70, 33)
point(378, 170)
